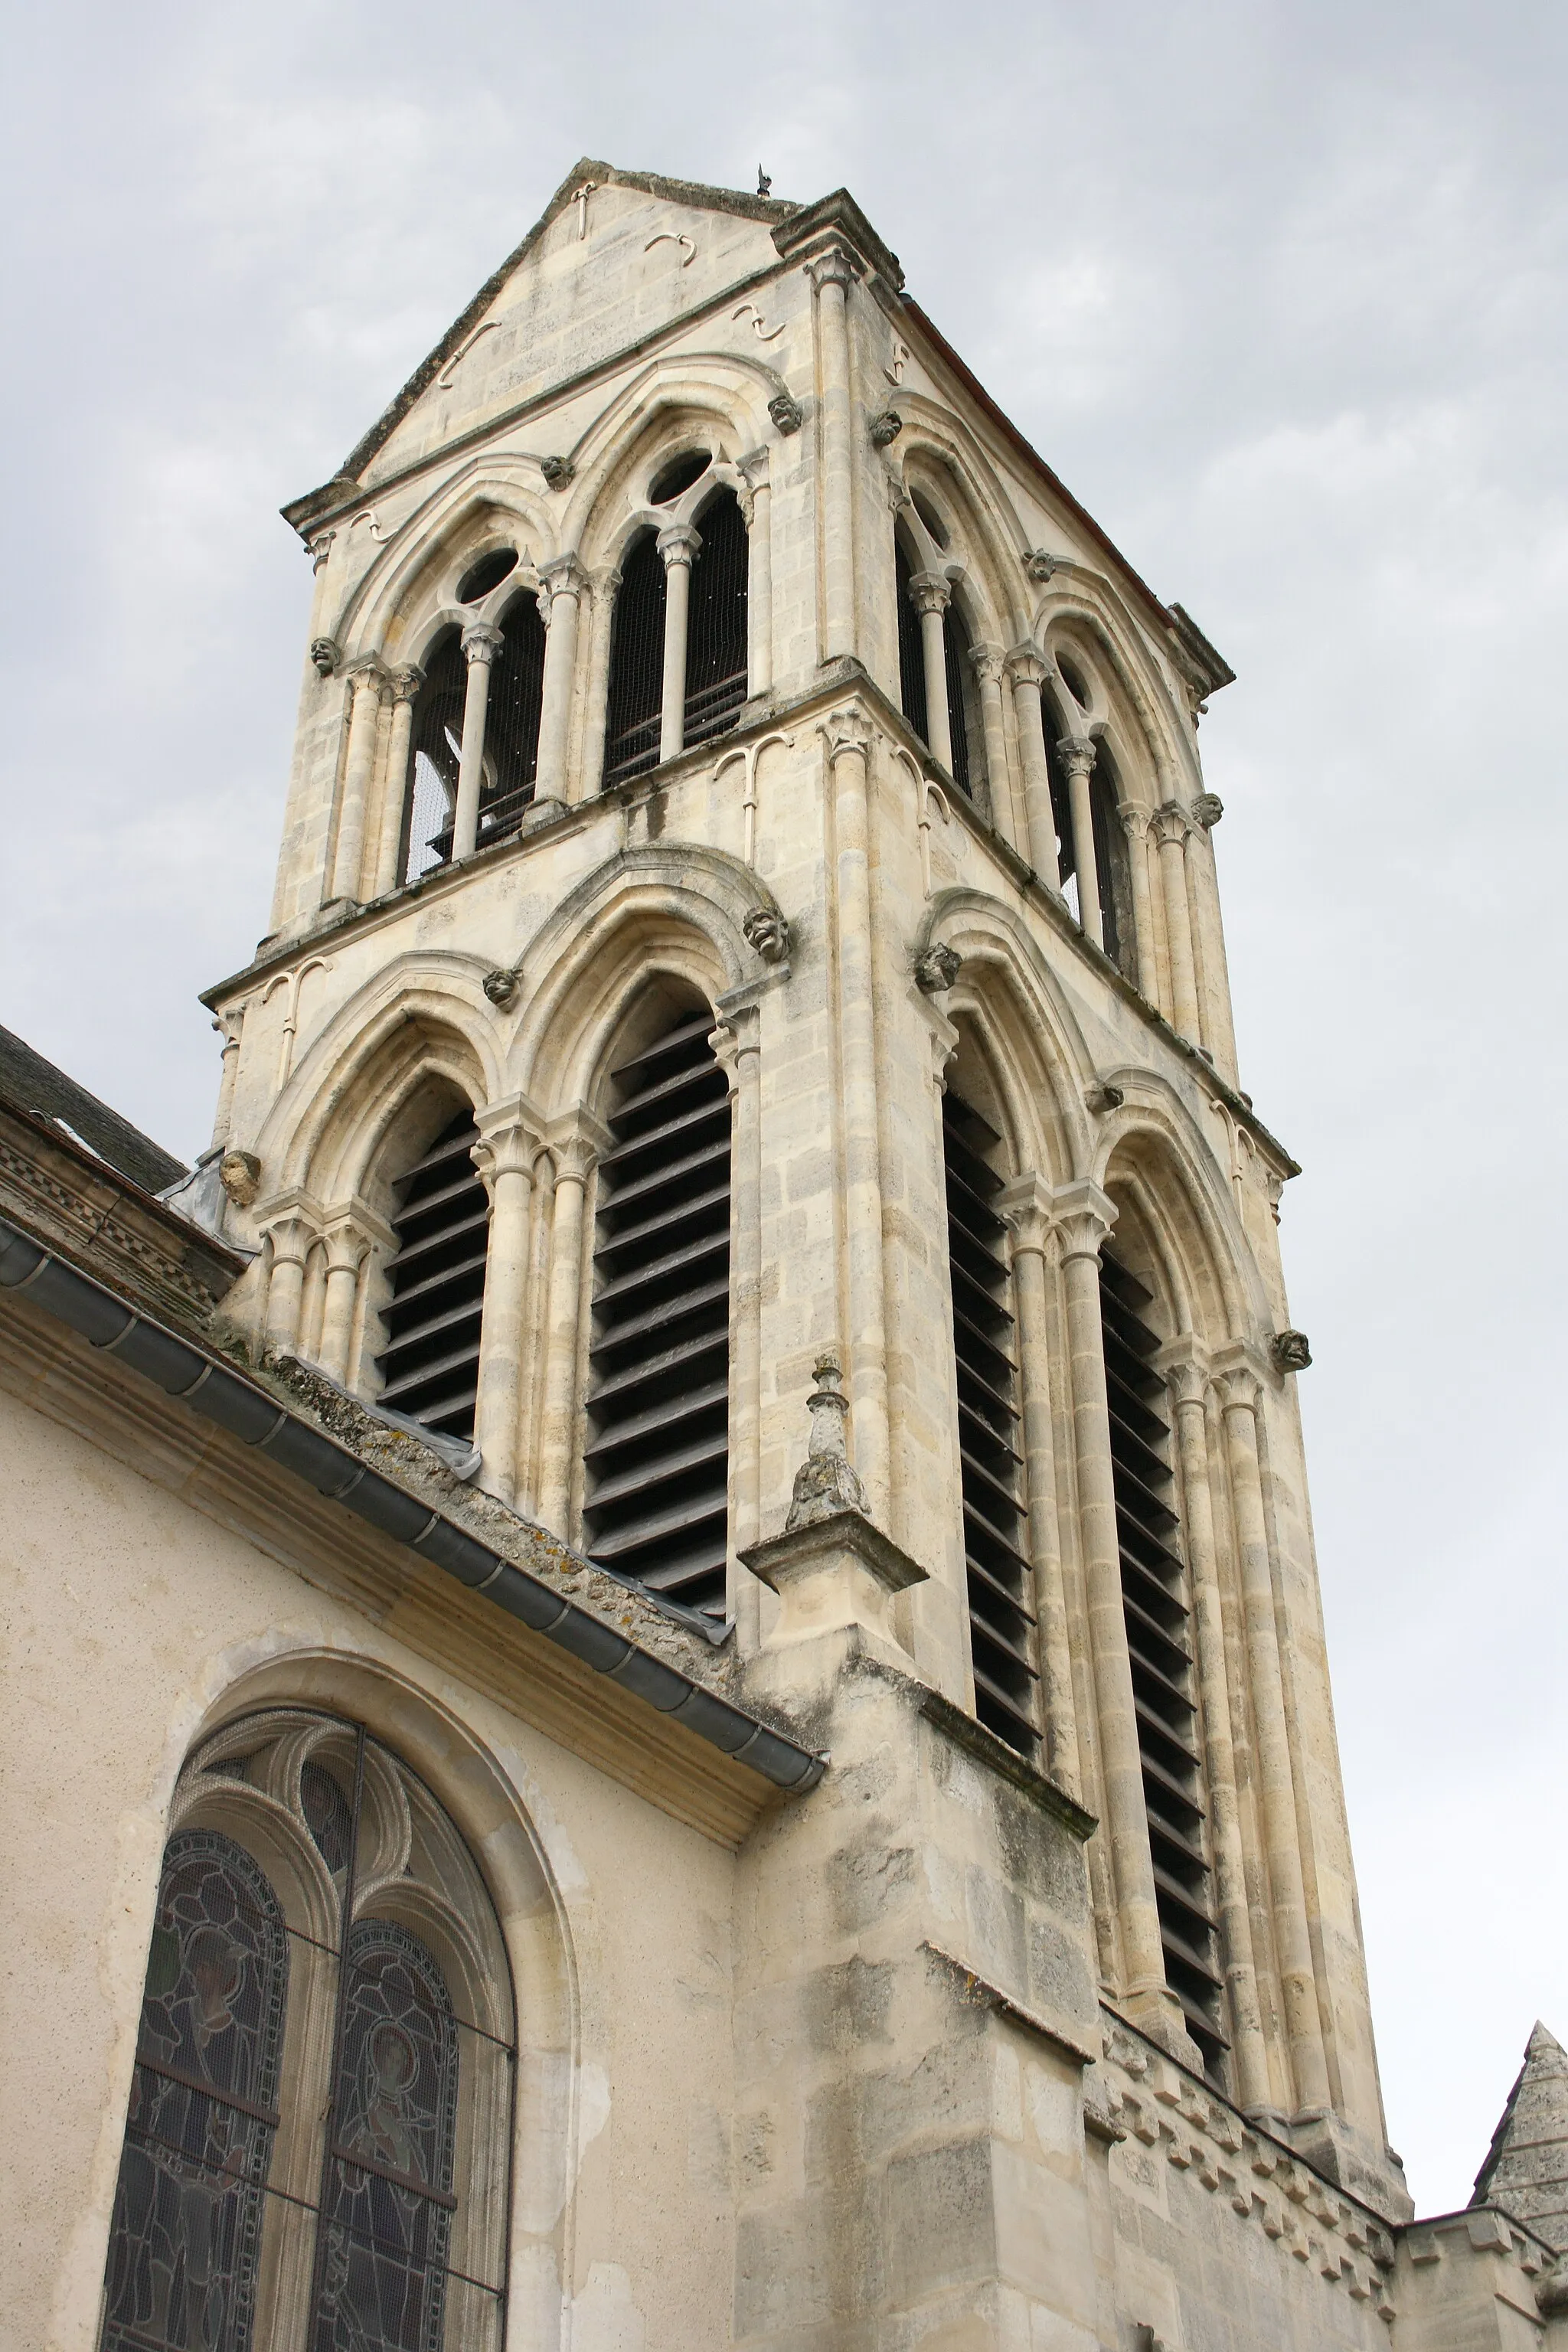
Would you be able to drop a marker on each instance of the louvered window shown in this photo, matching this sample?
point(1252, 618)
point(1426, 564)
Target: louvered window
point(1001, 1608)
point(912, 652)
point(1154, 1602)
point(716, 626)
point(632, 721)
point(430, 1365)
point(657, 1460)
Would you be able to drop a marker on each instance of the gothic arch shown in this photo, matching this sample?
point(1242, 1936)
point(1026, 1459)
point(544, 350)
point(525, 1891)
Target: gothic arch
point(1155, 748)
point(934, 432)
point(381, 614)
point(978, 566)
point(1149, 1146)
point(728, 396)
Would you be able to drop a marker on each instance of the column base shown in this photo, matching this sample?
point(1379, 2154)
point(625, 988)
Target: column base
point(1158, 2013)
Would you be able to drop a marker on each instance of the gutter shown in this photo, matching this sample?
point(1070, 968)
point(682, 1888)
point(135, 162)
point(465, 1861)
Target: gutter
point(257, 1418)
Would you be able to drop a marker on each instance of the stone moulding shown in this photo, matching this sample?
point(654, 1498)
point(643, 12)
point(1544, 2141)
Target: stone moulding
point(982, 1993)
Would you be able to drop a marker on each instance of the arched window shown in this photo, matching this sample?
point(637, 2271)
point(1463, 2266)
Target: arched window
point(911, 652)
point(716, 643)
point(658, 1454)
point(634, 710)
point(1113, 882)
point(511, 721)
point(319, 2134)
point(436, 1284)
point(432, 796)
point(957, 685)
point(510, 764)
point(1000, 1579)
point(1156, 1605)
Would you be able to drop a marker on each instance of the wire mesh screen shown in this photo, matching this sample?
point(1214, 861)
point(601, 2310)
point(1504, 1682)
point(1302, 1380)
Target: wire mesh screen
point(637, 664)
point(716, 628)
point(960, 681)
point(511, 722)
point(911, 654)
point(437, 747)
point(1109, 860)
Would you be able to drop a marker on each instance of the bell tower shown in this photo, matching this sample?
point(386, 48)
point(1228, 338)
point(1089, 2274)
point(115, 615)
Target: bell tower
point(746, 960)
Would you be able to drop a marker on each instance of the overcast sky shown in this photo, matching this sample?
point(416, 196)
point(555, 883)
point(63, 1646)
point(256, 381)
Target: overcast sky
point(1279, 292)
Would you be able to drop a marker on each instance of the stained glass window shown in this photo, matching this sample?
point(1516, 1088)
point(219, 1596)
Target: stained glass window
point(389, 2202)
point(187, 2211)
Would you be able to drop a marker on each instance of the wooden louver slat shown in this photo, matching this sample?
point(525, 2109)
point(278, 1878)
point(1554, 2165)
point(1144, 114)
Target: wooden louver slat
point(1001, 1598)
point(430, 1365)
point(1156, 1612)
point(657, 1459)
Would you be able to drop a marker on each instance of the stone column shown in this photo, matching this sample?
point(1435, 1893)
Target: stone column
point(230, 1027)
point(368, 685)
point(291, 1236)
point(932, 594)
point(1135, 825)
point(504, 1157)
point(406, 685)
point(737, 1045)
point(849, 737)
point(574, 1157)
point(679, 546)
point(756, 505)
point(591, 774)
point(1027, 672)
point(346, 1250)
point(1027, 1205)
point(1084, 1217)
point(1188, 1382)
point(1219, 1031)
point(1077, 753)
point(561, 582)
point(986, 662)
point(1239, 1392)
point(833, 275)
point(481, 645)
point(1171, 826)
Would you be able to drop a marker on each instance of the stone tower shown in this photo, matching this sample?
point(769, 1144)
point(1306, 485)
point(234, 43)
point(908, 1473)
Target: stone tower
point(716, 1519)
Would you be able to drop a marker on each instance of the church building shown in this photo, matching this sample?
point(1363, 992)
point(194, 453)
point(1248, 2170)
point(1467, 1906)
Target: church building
point(666, 1688)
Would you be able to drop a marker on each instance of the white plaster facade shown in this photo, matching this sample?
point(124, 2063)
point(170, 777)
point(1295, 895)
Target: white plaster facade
point(894, 2060)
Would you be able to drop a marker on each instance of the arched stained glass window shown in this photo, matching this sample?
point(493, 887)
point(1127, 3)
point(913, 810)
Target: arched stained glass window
point(389, 2201)
point(185, 2236)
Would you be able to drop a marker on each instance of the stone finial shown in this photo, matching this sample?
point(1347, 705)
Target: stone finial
point(558, 472)
point(936, 969)
point(767, 931)
point(1208, 808)
point(1289, 1351)
point(786, 413)
point(1039, 565)
point(1526, 2169)
point(500, 985)
point(824, 1483)
point(239, 1173)
point(324, 653)
point(886, 428)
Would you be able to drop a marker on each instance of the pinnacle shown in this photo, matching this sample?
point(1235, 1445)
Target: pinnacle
point(1526, 2169)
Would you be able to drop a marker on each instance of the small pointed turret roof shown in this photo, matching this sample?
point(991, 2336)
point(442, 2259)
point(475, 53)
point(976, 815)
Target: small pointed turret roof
point(1526, 2170)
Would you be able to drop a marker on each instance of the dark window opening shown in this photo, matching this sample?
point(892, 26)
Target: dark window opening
point(912, 652)
point(1159, 1639)
point(960, 696)
point(1000, 1579)
point(633, 712)
point(658, 1455)
point(678, 475)
point(432, 796)
point(486, 575)
point(511, 722)
point(1111, 865)
point(929, 517)
point(716, 647)
point(430, 1365)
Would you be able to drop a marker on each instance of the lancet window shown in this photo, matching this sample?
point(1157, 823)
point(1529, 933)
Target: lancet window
point(1000, 1580)
point(716, 647)
point(496, 714)
point(679, 647)
point(429, 1366)
point(656, 1464)
point(1156, 1607)
point(317, 2142)
point(936, 680)
point(634, 714)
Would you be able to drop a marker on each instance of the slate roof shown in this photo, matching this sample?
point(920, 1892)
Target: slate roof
point(29, 1083)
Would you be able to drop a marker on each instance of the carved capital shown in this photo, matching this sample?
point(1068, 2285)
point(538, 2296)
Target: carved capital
point(848, 729)
point(481, 642)
point(558, 472)
point(1208, 808)
point(1029, 1208)
point(368, 675)
point(574, 1156)
point(510, 1142)
point(679, 544)
point(320, 548)
point(824, 1483)
point(1039, 565)
point(1077, 754)
point(1289, 1351)
point(1084, 1215)
point(886, 428)
point(324, 653)
point(562, 576)
point(786, 413)
point(930, 592)
point(988, 663)
point(239, 1173)
point(1185, 1366)
point(1026, 666)
point(936, 969)
point(837, 267)
point(406, 682)
point(1170, 824)
point(1135, 821)
point(767, 933)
